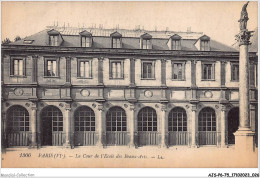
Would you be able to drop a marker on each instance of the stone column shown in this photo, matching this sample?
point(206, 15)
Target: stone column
point(132, 125)
point(223, 126)
point(99, 125)
point(244, 136)
point(193, 125)
point(163, 124)
point(33, 125)
point(67, 125)
point(3, 131)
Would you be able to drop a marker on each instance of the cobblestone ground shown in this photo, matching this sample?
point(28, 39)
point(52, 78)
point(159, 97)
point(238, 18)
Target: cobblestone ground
point(121, 156)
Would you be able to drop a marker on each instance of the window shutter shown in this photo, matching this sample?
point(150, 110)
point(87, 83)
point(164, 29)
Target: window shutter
point(78, 68)
point(90, 68)
point(122, 69)
point(11, 66)
point(213, 71)
point(153, 69)
point(142, 70)
point(45, 67)
point(58, 67)
point(183, 71)
point(24, 66)
point(202, 71)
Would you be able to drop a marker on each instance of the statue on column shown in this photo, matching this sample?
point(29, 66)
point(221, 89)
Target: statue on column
point(243, 18)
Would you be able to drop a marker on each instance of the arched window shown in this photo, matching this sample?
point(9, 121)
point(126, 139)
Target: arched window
point(18, 119)
point(52, 126)
point(177, 120)
point(116, 119)
point(84, 119)
point(207, 120)
point(147, 119)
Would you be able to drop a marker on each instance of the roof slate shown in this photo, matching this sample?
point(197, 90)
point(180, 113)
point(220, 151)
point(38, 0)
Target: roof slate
point(42, 39)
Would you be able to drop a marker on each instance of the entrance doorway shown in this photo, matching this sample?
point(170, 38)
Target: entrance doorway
point(233, 123)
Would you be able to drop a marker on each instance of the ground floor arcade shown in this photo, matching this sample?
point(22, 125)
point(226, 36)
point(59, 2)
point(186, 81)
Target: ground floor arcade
point(49, 123)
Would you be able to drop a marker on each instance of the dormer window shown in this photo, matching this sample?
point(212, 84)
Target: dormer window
point(175, 42)
point(146, 41)
point(54, 38)
point(204, 43)
point(116, 40)
point(85, 39)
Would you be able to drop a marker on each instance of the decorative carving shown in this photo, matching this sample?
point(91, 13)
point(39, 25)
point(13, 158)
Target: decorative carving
point(100, 107)
point(61, 104)
point(208, 94)
point(125, 105)
point(132, 107)
point(27, 104)
point(148, 93)
point(41, 105)
point(187, 106)
point(139, 105)
point(85, 92)
point(74, 105)
point(169, 105)
point(7, 104)
point(18, 91)
point(94, 105)
point(216, 106)
point(244, 37)
point(156, 105)
point(199, 106)
point(164, 108)
point(107, 105)
point(194, 107)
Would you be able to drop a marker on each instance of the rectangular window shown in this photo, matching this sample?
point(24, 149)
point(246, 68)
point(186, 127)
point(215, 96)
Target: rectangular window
point(85, 68)
point(178, 71)
point(208, 71)
point(51, 67)
point(116, 42)
point(176, 44)
point(86, 41)
point(204, 45)
point(17, 67)
point(148, 70)
point(116, 69)
point(146, 44)
point(54, 40)
point(235, 72)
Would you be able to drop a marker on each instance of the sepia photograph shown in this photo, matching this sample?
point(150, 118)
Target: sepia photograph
point(149, 84)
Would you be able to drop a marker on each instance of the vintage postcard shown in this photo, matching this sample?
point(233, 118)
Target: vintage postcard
point(129, 84)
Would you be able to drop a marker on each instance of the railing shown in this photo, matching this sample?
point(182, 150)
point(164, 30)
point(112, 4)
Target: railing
point(84, 138)
point(58, 138)
point(117, 138)
point(148, 138)
point(18, 139)
point(207, 137)
point(178, 138)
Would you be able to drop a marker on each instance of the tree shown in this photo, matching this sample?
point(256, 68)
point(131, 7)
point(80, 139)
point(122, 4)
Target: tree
point(17, 38)
point(6, 41)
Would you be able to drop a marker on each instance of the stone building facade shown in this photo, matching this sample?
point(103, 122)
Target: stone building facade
point(82, 87)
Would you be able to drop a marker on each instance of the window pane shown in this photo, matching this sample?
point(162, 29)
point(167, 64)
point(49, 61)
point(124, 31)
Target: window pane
point(54, 68)
point(87, 71)
point(20, 67)
point(16, 67)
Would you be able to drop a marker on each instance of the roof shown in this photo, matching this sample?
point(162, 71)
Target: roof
point(116, 35)
point(188, 40)
point(146, 36)
point(85, 33)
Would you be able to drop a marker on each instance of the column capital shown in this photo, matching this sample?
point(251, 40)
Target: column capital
point(67, 106)
point(35, 56)
point(132, 59)
point(164, 107)
point(163, 60)
point(68, 57)
point(100, 58)
point(34, 108)
point(223, 62)
point(223, 107)
point(252, 106)
point(243, 37)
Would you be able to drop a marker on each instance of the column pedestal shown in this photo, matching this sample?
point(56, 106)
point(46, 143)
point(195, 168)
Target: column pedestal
point(244, 140)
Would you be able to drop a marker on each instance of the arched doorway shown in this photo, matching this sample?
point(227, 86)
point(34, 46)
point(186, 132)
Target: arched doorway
point(52, 126)
point(207, 127)
point(17, 126)
point(116, 126)
point(84, 124)
point(147, 127)
point(233, 123)
point(177, 127)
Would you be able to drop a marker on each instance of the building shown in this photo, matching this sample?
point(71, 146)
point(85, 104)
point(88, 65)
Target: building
point(69, 86)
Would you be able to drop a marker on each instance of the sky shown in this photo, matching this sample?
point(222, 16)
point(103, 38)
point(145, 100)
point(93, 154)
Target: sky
point(219, 20)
